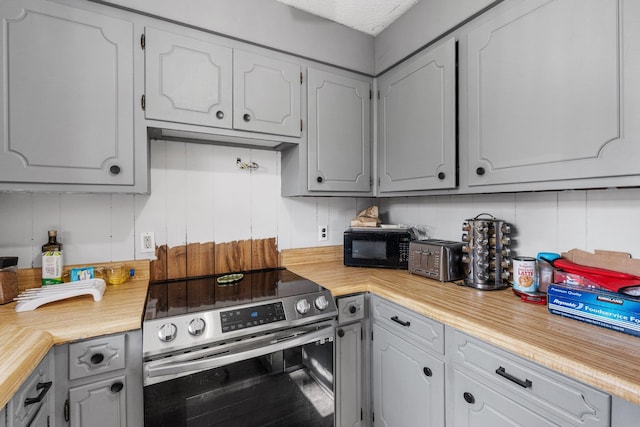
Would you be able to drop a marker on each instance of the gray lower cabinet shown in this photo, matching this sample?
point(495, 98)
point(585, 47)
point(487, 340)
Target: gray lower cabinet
point(493, 388)
point(99, 382)
point(408, 380)
point(3, 417)
point(351, 362)
point(32, 404)
point(417, 123)
point(67, 110)
point(551, 96)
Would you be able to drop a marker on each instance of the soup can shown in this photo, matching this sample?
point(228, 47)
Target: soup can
point(525, 274)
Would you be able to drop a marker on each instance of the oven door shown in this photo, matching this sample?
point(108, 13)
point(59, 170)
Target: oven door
point(281, 379)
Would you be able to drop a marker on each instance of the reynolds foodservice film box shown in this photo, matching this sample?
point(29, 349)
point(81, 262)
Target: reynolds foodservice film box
point(607, 309)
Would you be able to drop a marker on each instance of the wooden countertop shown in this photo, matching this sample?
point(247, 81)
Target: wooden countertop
point(605, 359)
point(26, 337)
point(602, 358)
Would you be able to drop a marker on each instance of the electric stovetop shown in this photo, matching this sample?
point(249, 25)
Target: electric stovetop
point(182, 296)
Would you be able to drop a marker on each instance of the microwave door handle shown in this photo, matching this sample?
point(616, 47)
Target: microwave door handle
point(165, 367)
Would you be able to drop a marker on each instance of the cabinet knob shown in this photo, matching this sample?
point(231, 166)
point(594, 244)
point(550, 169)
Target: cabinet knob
point(468, 397)
point(97, 358)
point(115, 169)
point(480, 171)
point(246, 117)
point(220, 115)
point(340, 332)
point(117, 387)
point(427, 371)
point(441, 176)
point(353, 309)
point(319, 179)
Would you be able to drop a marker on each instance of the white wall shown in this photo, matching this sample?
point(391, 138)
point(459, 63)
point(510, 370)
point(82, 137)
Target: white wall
point(199, 195)
point(544, 221)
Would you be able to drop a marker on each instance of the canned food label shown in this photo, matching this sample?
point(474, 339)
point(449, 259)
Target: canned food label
point(525, 277)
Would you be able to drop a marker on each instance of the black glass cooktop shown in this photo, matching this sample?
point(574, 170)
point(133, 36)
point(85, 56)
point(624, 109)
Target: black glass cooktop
point(181, 296)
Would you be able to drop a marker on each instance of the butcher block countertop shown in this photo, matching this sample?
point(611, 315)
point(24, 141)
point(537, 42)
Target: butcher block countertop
point(605, 359)
point(26, 337)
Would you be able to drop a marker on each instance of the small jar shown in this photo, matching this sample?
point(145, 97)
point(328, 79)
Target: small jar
point(8, 279)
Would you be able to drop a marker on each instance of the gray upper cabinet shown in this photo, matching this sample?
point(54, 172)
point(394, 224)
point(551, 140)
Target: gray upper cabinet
point(417, 123)
point(339, 132)
point(188, 79)
point(196, 79)
point(67, 110)
point(553, 93)
point(266, 94)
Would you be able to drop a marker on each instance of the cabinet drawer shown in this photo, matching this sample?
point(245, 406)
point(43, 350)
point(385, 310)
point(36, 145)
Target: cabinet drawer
point(566, 401)
point(424, 332)
point(350, 308)
point(96, 356)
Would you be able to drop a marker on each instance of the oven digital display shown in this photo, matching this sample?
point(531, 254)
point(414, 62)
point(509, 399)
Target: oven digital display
point(244, 318)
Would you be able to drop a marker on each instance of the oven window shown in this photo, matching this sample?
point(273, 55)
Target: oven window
point(292, 387)
point(369, 249)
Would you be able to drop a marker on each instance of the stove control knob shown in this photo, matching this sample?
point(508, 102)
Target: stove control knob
point(167, 332)
point(321, 303)
point(196, 326)
point(303, 306)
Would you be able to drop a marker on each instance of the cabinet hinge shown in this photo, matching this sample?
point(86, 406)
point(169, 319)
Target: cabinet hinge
point(300, 77)
point(370, 94)
point(378, 94)
point(371, 335)
point(361, 335)
point(143, 102)
point(370, 181)
point(300, 125)
point(361, 415)
point(143, 41)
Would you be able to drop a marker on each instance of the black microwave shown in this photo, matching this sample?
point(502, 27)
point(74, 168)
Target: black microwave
point(377, 247)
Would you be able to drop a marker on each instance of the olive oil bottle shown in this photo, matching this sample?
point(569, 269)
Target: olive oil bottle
point(52, 260)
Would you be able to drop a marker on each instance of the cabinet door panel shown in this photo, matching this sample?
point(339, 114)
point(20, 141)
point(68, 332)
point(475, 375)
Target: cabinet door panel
point(266, 94)
point(99, 404)
point(68, 92)
point(403, 394)
point(417, 123)
point(349, 375)
point(548, 98)
point(188, 80)
point(475, 405)
point(339, 132)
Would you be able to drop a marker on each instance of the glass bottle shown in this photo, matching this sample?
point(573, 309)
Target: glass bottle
point(52, 260)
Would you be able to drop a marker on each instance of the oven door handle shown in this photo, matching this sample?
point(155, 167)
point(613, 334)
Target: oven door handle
point(200, 360)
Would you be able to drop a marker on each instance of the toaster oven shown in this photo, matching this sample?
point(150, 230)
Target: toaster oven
point(436, 259)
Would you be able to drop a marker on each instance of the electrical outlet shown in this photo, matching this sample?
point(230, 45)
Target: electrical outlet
point(323, 233)
point(147, 242)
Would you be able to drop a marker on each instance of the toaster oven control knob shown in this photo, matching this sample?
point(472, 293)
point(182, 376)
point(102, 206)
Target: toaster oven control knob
point(303, 306)
point(321, 303)
point(196, 326)
point(167, 332)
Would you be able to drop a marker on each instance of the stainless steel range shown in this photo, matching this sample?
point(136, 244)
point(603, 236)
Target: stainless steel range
point(246, 349)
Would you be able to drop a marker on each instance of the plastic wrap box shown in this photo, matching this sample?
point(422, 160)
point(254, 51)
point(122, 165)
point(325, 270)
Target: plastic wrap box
point(598, 307)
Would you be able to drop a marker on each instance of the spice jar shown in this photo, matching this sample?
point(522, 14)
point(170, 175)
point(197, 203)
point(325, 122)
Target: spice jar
point(8, 279)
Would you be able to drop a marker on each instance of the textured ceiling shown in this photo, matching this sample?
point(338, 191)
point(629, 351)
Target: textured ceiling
point(368, 16)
